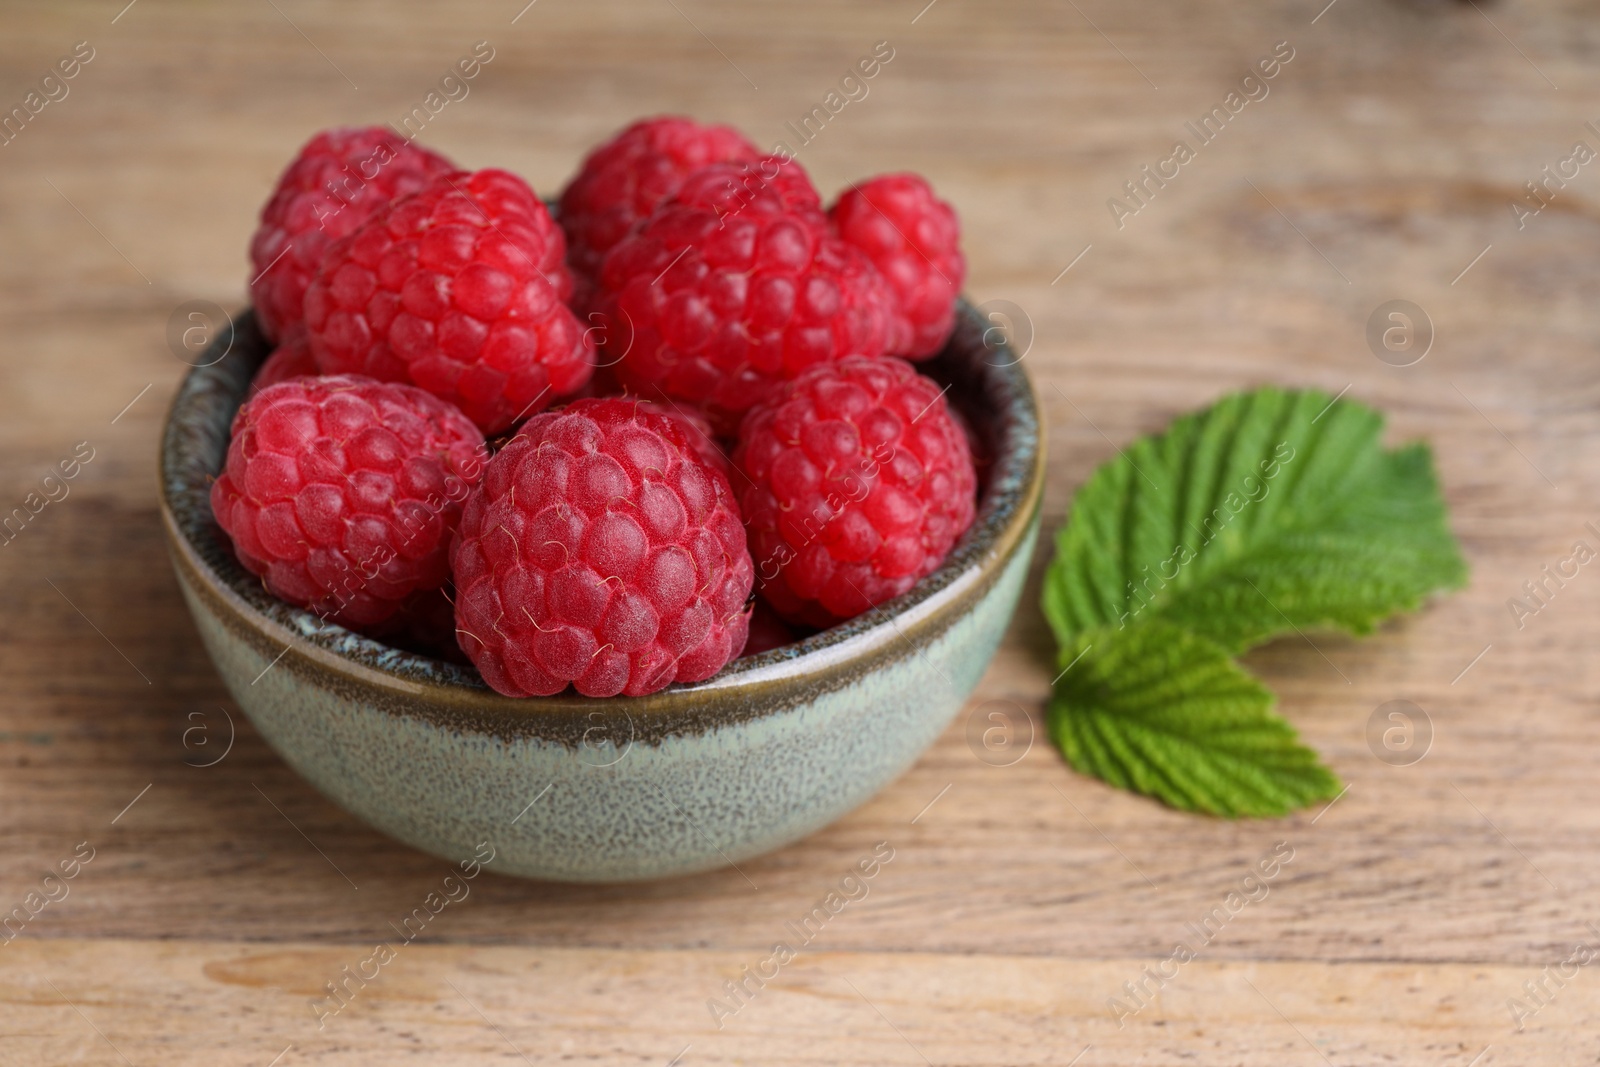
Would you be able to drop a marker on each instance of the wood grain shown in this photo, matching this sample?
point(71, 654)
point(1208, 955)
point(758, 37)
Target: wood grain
point(201, 1002)
point(1382, 161)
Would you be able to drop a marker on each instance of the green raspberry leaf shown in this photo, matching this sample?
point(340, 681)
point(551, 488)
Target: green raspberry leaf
point(1163, 712)
point(1270, 512)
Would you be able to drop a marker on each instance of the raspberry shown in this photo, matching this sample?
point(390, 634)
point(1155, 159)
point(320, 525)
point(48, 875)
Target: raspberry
point(342, 492)
point(859, 483)
point(733, 284)
point(341, 178)
point(291, 359)
point(457, 289)
point(914, 240)
point(623, 180)
point(602, 552)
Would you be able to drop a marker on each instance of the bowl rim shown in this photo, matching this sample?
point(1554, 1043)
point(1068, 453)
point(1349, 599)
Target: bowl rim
point(1006, 512)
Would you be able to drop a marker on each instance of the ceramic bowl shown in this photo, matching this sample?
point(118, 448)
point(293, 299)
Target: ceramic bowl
point(688, 779)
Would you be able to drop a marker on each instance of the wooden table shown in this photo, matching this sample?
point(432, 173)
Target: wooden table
point(1380, 166)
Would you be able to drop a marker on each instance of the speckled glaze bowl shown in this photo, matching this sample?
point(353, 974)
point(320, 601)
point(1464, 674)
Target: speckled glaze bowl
point(691, 778)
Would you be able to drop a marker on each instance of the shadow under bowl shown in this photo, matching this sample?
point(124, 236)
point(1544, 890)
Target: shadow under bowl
point(576, 789)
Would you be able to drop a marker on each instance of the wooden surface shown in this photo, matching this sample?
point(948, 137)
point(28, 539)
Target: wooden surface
point(1380, 164)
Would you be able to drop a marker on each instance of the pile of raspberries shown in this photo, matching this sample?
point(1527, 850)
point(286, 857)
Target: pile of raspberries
point(569, 449)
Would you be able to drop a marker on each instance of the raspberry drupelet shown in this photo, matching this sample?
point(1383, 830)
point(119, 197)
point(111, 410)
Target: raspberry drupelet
point(858, 483)
point(600, 552)
point(733, 284)
point(459, 289)
point(340, 179)
point(698, 429)
point(914, 240)
point(342, 493)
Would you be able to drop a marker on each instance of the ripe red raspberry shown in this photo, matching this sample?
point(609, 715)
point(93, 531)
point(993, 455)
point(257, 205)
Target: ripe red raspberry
point(623, 180)
point(341, 178)
point(342, 492)
point(291, 359)
point(601, 552)
point(458, 289)
point(914, 240)
point(734, 284)
point(859, 482)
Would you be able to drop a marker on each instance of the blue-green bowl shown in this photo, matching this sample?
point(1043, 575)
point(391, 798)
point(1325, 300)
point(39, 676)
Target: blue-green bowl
point(585, 790)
